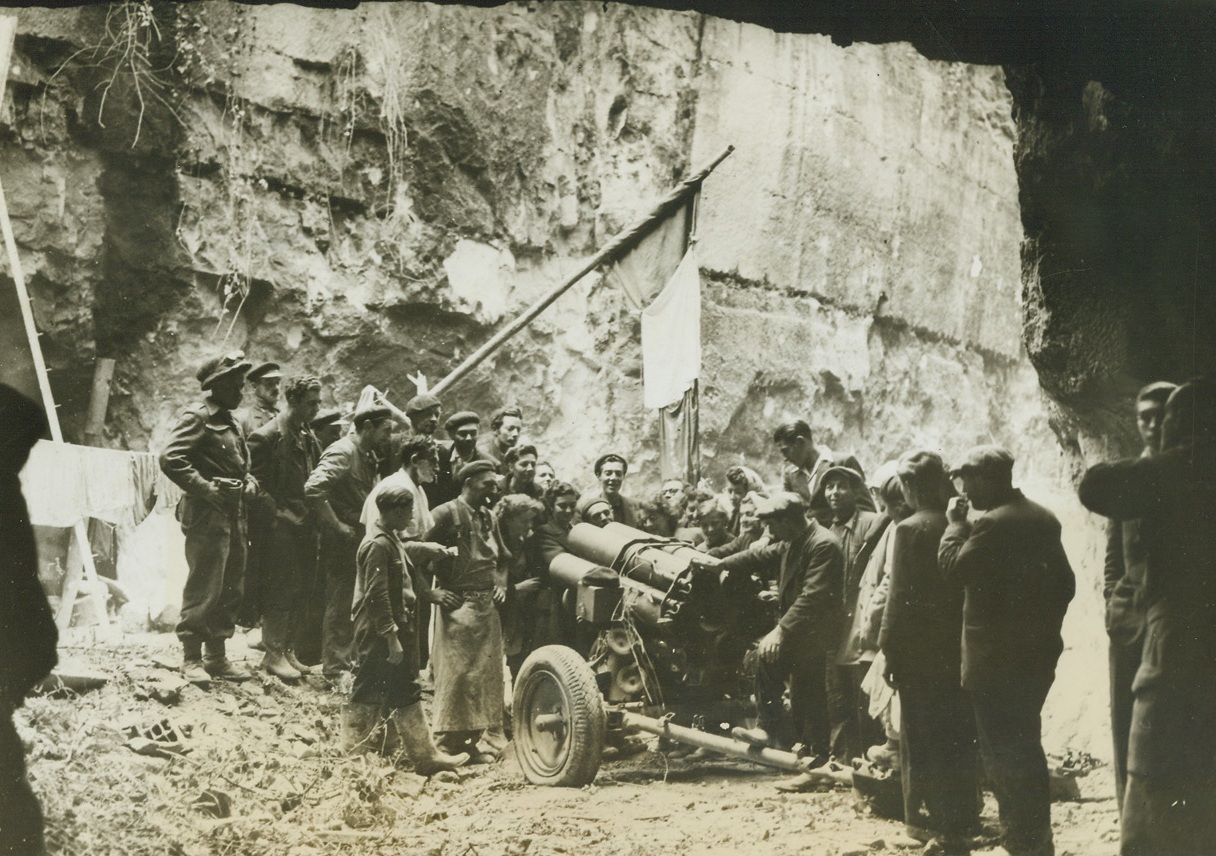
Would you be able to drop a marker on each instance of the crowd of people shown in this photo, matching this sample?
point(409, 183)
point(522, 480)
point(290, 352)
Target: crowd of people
point(911, 631)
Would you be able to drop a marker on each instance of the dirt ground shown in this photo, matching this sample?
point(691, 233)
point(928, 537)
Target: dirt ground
point(263, 775)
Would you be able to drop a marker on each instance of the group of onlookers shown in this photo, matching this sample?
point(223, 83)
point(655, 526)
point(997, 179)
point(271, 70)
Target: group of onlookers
point(919, 612)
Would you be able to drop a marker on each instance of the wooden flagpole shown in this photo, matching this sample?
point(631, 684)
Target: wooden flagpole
point(71, 582)
point(614, 248)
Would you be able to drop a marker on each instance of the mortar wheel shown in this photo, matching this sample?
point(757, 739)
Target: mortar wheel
point(559, 718)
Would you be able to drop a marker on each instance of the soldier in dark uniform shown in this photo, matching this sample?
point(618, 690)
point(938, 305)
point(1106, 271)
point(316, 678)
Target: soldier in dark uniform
point(206, 457)
point(265, 381)
point(284, 452)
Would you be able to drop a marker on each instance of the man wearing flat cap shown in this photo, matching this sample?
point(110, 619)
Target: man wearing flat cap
point(264, 379)
point(463, 427)
point(611, 470)
point(207, 458)
point(467, 659)
point(337, 488)
point(1017, 584)
point(809, 565)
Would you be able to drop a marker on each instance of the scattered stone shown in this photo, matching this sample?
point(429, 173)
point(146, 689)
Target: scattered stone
point(214, 803)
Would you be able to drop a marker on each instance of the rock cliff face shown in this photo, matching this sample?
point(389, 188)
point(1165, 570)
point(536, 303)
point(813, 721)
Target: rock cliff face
point(370, 193)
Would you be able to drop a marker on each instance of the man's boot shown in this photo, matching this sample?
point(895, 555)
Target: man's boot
point(758, 737)
point(415, 734)
point(274, 636)
point(192, 664)
point(359, 721)
point(290, 654)
point(217, 664)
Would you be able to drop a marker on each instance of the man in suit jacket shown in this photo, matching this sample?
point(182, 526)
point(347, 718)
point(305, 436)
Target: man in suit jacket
point(1017, 585)
point(921, 640)
point(810, 574)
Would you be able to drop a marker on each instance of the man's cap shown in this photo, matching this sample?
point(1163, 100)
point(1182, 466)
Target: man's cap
point(473, 468)
point(584, 505)
point(370, 414)
point(326, 418)
point(421, 402)
point(781, 503)
point(460, 419)
point(611, 456)
point(1157, 391)
point(222, 366)
point(986, 458)
point(855, 478)
point(266, 371)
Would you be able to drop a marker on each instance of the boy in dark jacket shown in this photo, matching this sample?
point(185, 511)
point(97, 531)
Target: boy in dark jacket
point(386, 643)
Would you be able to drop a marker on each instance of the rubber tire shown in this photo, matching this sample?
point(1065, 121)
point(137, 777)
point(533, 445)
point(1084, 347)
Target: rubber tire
point(557, 677)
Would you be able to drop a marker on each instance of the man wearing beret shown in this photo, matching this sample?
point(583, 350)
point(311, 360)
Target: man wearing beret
point(265, 380)
point(1017, 584)
point(463, 428)
point(423, 411)
point(338, 488)
point(284, 452)
point(467, 659)
point(506, 424)
point(809, 566)
point(611, 470)
point(1169, 805)
point(207, 458)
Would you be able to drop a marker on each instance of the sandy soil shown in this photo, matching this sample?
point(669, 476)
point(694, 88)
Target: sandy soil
point(267, 753)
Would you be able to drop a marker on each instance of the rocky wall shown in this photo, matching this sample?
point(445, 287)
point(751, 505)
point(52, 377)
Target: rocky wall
point(368, 193)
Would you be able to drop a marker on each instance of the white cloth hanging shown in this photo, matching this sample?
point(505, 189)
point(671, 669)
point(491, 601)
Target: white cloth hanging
point(671, 337)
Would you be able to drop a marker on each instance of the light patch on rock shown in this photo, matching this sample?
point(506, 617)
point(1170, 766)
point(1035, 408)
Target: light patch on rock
point(479, 276)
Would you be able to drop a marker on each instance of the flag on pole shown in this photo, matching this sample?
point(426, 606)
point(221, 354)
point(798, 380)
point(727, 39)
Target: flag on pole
point(660, 277)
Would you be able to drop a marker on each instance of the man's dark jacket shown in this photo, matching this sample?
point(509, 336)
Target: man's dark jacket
point(809, 583)
point(1017, 586)
point(923, 621)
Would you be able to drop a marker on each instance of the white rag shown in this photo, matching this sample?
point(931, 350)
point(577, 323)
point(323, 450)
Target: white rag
point(671, 337)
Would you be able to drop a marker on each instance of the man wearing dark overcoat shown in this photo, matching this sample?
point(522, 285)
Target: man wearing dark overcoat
point(921, 639)
point(1017, 584)
point(284, 453)
point(207, 458)
point(1169, 806)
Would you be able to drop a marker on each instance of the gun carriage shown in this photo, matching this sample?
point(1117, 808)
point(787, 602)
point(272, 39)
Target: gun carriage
point(668, 658)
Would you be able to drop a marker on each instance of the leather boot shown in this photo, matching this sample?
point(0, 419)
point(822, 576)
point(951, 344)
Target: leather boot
point(388, 739)
point(192, 665)
point(415, 734)
point(274, 636)
point(290, 654)
point(217, 664)
point(359, 723)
